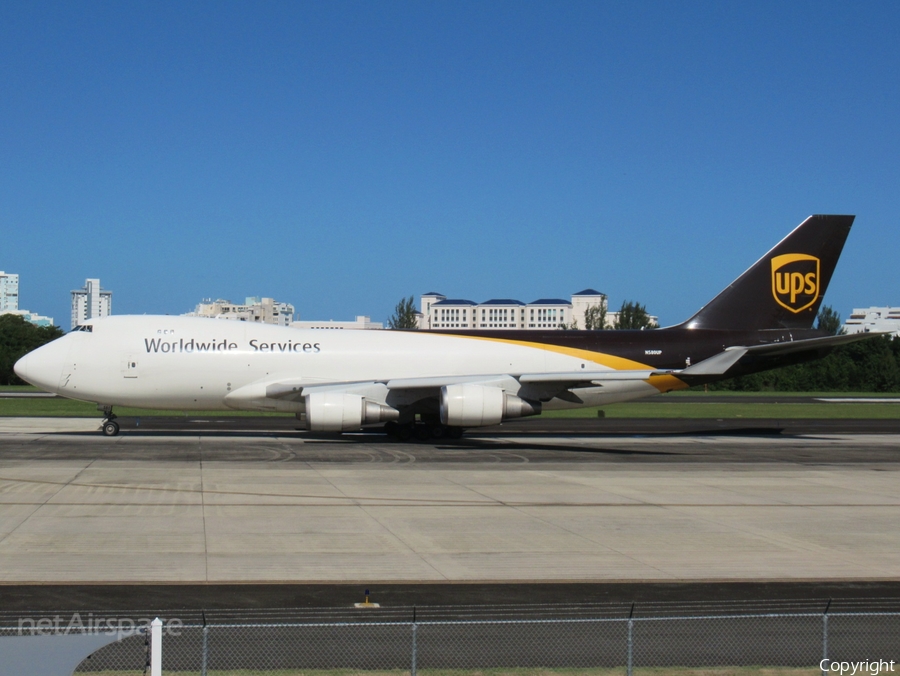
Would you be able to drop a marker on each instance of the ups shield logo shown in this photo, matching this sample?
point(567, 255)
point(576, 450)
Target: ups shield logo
point(795, 281)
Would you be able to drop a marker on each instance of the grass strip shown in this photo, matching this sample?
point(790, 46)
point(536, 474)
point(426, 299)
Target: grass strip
point(69, 408)
point(729, 410)
point(648, 408)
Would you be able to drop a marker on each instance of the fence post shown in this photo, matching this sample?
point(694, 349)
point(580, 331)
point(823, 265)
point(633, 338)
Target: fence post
point(631, 641)
point(146, 632)
point(825, 664)
point(205, 654)
point(412, 670)
point(156, 647)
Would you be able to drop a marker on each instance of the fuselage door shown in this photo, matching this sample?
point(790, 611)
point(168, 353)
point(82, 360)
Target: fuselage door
point(130, 366)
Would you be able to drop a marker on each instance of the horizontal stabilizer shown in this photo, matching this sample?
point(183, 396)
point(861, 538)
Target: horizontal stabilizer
point(719, 364)
point(794, 346)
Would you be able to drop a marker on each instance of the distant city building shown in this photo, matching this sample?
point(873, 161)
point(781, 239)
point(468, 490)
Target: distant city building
point(436, 311)
point(90, 302)
point(9, 292)
point(9, 301)
point(31, 317)
point(873, 320)
point(254, 309)
point(361, 322)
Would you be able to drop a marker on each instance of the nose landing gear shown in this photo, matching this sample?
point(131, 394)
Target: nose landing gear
point(109, 427)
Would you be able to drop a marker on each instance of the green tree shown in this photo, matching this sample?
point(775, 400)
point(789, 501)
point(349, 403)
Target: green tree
point(633, 315)
point(17, 338)
point(404, 316)
point(829, 321)
point(595, 317)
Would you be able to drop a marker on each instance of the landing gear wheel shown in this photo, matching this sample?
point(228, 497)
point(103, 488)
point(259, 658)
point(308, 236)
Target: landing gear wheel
point(404, 432)
point(423, 432)
point(110, 428)
point(455, 432)
point(438, 432)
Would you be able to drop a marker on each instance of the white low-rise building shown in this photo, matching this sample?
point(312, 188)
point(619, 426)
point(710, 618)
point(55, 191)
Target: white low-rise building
point(254, 309)
point(436, 311)
point(361, 322)
point(31, 317)
point(548, 313)
point(873, 320)
point(583, 301)
point(446, 313)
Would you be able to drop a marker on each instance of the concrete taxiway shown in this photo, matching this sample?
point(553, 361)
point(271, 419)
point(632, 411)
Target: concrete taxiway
point(204, 501)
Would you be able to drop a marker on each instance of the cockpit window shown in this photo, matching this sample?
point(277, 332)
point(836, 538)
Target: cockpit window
point(83, 327)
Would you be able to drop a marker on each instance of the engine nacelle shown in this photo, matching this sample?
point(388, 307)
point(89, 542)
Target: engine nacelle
point(476, 405)
point(338, 411)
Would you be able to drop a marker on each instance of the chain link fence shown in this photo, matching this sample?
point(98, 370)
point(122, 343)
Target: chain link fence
point(739, 639)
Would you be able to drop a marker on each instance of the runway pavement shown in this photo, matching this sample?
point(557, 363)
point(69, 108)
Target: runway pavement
point(191, 503)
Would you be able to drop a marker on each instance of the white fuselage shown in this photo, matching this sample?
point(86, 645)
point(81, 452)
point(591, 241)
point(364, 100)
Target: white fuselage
point(196, 363)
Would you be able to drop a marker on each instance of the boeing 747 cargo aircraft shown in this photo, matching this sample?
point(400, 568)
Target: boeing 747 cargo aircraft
point(433, 383)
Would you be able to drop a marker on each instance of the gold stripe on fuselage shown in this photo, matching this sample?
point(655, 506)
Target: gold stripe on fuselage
point(662, 383)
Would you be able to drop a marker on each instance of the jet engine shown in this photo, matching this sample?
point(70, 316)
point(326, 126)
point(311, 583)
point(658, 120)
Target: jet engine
point(339, 411)
point(477, 405)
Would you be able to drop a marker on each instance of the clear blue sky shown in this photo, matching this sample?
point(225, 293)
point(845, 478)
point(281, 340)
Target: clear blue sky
point(342, 155)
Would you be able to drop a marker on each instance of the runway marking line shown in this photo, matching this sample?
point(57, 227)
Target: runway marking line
point(393, 502)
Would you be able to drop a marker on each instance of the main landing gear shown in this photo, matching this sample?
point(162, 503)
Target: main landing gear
point(110, 427)
point(422, 431)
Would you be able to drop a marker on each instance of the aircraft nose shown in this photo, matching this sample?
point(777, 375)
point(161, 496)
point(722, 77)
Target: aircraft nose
point(41, 367)
point(21, 368)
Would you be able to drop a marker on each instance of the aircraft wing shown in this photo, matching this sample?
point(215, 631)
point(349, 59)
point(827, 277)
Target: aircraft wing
point(292, 390)
point(288, 389)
